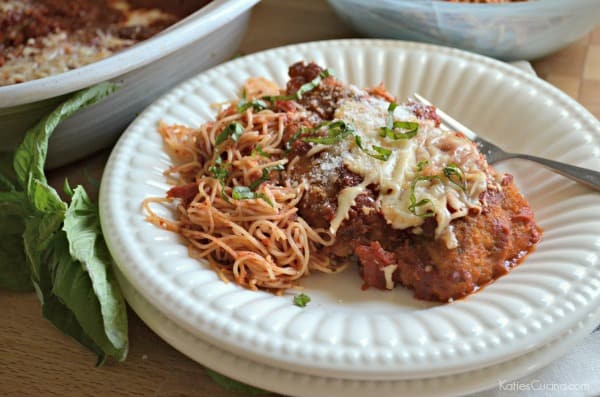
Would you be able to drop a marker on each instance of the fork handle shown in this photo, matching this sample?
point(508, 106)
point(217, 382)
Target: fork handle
point(585, 176)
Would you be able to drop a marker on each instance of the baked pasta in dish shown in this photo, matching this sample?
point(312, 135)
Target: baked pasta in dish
point(40, 38)
point(322, 175)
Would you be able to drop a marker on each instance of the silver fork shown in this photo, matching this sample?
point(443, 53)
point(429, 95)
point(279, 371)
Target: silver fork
point(494, 154)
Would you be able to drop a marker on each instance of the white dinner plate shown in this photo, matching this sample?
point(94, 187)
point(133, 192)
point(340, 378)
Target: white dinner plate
point(346, 332)
point(301, 385)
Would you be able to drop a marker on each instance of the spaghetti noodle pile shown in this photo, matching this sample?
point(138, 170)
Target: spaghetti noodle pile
point(235, 206)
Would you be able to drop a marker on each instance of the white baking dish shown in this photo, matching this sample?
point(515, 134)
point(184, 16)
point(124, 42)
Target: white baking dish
point(206, 38)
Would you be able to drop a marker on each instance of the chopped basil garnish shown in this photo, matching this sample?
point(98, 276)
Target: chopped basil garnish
point(377, 152)
point(455, 175)
point(391, 107)
point(220, 174)
point(414, 204)
point(257, 151)
point(256, 104)
point(311, 85)
point(248, 192)
point(408, 128)
point(314, 83)
point(265, 176)
point(244, 193)
point(301, 300)
point(390, 119)
point(421, 164)
point(452, 172)
point(233, 130)
point(382, 153)
point(337, 131)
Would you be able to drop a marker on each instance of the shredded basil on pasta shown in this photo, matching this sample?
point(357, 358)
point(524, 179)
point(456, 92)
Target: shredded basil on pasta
point(307, 87)
point(233, 131)
point(256, 104)
point(244, 193)
point(265, 176)
point(337, 131)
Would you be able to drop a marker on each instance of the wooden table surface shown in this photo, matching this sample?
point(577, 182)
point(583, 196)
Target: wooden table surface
point(37, 360)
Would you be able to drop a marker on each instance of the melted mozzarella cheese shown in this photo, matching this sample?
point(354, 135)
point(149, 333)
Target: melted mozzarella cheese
point(388, 272)
point(394, 177)
point(345, 201)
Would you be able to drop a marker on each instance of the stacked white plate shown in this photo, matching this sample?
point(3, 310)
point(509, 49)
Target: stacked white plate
point(348, 340)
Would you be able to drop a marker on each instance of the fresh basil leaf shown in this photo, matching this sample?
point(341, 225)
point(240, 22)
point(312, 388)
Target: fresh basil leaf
point(64, 319)
point(44, 219)
point(40, 229)
point(86, 245)
point(67, 189)
point(64, 287)
point(233, 131)
point(14, 270)
point(72, 284)
point(13, 203)
point(6, 185)
point(233, 385)
point(44, 198)
point(30, 156)
point(55, 310)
